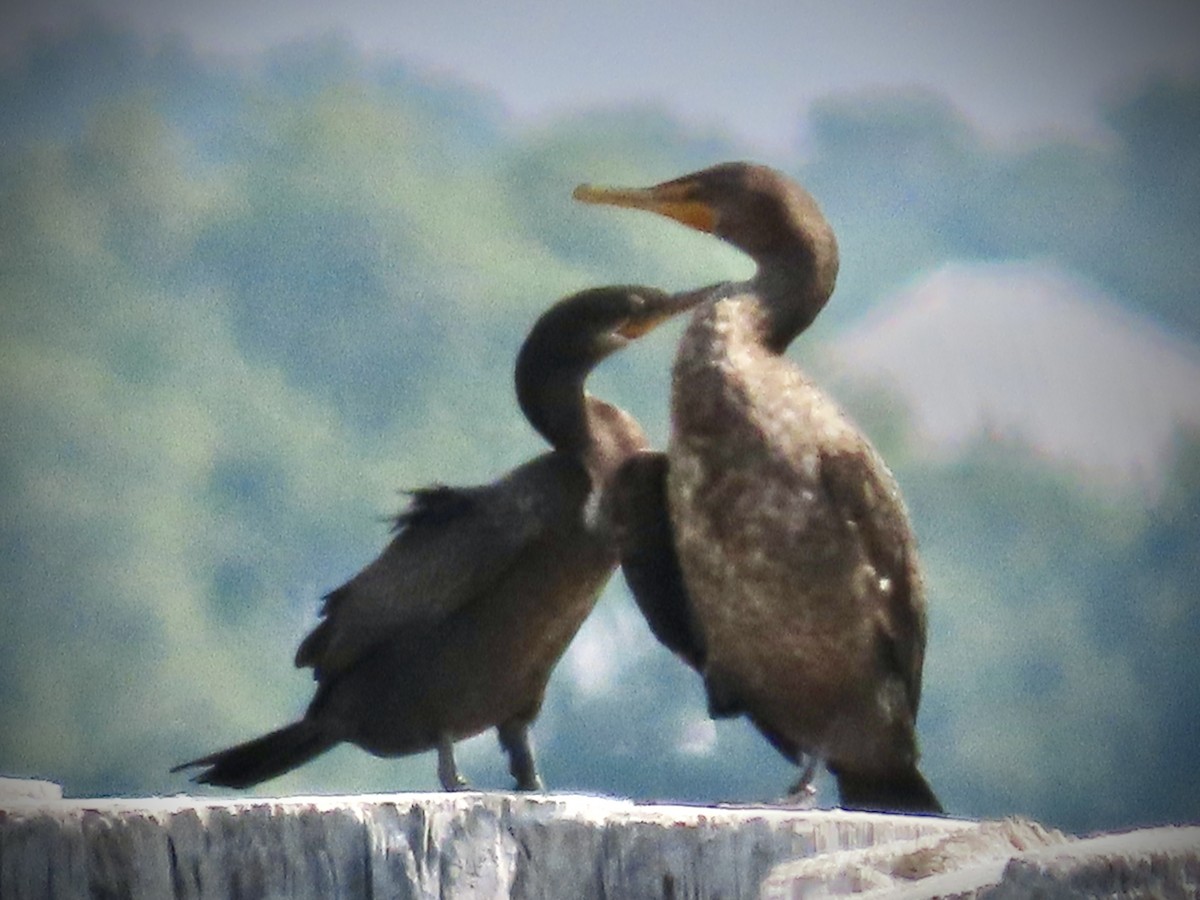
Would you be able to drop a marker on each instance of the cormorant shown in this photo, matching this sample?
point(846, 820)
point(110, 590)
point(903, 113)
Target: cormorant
point(770, 547)
point(456, 626)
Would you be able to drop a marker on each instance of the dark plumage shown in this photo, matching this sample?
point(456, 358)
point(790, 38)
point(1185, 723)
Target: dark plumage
point(457, 625)
point(770, 547)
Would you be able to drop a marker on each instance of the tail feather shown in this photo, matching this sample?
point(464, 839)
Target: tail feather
point(904, 791)
point(262, 758)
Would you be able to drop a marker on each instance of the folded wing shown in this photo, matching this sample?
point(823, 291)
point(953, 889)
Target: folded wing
point(451, 546)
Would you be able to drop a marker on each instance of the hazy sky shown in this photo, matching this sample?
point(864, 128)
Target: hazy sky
point(1016, 67)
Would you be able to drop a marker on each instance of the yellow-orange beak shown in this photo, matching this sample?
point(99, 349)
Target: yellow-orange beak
point(658, 308)
point(669, 199)
point(636, 328)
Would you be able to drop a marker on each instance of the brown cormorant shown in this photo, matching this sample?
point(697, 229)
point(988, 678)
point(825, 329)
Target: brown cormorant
point(456, 626)
point(770, 547)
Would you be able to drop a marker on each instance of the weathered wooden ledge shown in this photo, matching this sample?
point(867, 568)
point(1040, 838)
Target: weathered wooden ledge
point(513, 845)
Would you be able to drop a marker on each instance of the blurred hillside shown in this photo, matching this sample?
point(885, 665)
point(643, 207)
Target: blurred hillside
point(244, 305)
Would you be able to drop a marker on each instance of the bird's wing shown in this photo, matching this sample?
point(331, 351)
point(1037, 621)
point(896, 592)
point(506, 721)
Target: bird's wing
point(867, 498)
point(635, 507)
point(451, 546)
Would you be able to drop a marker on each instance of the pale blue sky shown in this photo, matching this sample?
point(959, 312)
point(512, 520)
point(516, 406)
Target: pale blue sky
point(1017, 68)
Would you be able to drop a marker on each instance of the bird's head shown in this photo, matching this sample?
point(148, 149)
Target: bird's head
point(755, 208)
point(563, 347)
point(584, 328)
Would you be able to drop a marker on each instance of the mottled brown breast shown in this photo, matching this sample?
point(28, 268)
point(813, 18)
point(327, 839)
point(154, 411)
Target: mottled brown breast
point(788, 587)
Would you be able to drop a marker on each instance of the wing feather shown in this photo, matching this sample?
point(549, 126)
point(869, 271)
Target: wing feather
point(865, 494)
point(451, 546)
point(635, 506)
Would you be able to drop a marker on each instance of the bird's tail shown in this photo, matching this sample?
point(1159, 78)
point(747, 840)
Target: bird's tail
point(903, 791)
point(264, 757)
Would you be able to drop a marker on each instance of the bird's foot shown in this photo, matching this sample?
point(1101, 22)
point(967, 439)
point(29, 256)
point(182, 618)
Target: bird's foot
point(803, 793)
point(514, 739)
point(800, 797)
point(530, 782)
point(447, 768)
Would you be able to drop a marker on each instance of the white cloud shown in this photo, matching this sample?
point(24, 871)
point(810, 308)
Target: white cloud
point(1031, 351)
point(697, 734)
point(608, 646)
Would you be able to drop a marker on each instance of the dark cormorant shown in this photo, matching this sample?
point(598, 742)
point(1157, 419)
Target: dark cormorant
point(457, 625)
point(770, 547)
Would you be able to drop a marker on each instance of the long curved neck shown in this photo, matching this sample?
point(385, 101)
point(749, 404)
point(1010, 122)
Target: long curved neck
point(551, 397)
point(790, 292)
point(736, 337)
point(774, 306)
point(794, 281)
